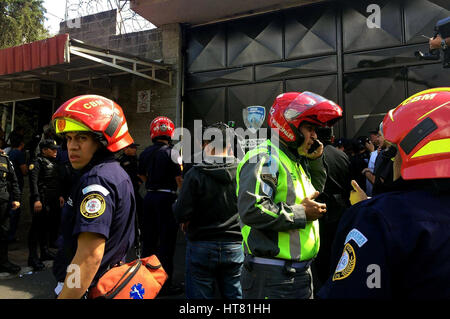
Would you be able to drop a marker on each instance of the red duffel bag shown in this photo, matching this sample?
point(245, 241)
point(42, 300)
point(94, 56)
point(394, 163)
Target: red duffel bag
point(139, 279)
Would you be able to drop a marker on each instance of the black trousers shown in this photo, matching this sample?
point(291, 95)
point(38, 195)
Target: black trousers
point(44, 226)
point(4, 229)
point(273, 282)
point(159, 232)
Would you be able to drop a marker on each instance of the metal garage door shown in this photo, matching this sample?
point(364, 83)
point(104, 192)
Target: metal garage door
point(326, 48)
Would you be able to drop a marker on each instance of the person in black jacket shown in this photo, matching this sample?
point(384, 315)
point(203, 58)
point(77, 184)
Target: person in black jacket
point(335, 195)
point(129, 162)
point(9, 189)
point(382, 176)
point(160, 167)
point(207, 210)
point(358, 162)
point(46, 202)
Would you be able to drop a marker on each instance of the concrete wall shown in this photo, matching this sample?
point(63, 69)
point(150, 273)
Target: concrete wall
point(161, 44)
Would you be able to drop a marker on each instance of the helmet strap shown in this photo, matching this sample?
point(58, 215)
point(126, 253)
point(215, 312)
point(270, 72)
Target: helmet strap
point(99, 136)
point(299, 138)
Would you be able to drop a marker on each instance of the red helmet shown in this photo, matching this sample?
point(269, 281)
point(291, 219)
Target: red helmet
point(162, 127)
point(290, 109)
point(420, 127)
point(97, 114)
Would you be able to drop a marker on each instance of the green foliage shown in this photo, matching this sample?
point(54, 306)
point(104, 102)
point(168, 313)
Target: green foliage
point(21, 21)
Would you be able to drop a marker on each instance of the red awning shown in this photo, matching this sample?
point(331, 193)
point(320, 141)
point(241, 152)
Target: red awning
point(24, 68)
point(35, 55)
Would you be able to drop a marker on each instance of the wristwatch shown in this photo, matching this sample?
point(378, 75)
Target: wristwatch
point(444, 45)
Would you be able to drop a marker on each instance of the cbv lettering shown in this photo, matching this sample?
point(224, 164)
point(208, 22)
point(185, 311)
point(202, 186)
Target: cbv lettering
point(93, 104)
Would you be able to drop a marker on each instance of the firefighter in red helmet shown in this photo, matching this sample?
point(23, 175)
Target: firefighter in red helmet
point(98, 217)
point(160, 167)
point(277, 184)
point(395, 245)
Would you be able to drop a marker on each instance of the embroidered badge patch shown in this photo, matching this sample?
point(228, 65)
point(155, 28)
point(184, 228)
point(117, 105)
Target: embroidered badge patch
point(346, 264)
point(93, 206)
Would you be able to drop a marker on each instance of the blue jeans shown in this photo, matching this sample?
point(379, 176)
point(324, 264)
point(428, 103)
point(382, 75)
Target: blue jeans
point(210, 262)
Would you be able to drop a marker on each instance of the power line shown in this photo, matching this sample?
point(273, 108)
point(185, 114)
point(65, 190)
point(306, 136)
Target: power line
point(62, 19)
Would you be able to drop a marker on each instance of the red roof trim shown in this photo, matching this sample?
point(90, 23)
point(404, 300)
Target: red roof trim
point(34, 55)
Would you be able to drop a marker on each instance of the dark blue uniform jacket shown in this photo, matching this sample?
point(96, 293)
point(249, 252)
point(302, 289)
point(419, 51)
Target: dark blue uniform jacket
point(101, 202)
point(159, 163)
point(395, 245)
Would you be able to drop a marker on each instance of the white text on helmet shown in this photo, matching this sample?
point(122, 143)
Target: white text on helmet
point(93, 104)
point(422, 98)
point(282, 129)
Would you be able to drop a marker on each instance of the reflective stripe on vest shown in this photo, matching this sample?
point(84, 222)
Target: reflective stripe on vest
point(292, 187)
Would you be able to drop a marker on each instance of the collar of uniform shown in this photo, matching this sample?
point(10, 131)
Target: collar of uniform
point(51, 159)
point(99, 157)
point(221, 160)
point(285, 149)
point(433, 185)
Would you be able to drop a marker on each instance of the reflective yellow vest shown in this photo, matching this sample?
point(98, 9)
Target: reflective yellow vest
point(293, 185)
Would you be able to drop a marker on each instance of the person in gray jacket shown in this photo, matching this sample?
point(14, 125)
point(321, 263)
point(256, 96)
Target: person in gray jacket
point(207, 210)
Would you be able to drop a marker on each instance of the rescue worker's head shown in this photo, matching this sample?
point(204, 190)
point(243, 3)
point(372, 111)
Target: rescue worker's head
point(49, 148)
point(296, 115)
point(420, 129)
point(91, 123)
point(162, 129)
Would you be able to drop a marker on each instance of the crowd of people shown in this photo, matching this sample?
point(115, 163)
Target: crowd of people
point(285, 221)
point(45, 166)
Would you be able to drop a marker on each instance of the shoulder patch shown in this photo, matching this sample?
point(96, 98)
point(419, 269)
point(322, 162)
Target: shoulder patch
point(357, 237)
point(95, 188)
point(266, 189)
point(346, 264)
point(93, 206)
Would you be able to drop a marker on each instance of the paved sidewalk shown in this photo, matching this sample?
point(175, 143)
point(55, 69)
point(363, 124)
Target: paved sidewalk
point(28, 284)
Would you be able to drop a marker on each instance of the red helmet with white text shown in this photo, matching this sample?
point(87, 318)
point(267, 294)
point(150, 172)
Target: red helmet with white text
point(162, 127)
point(420, 127)
point(96, 114)
point(290, 109)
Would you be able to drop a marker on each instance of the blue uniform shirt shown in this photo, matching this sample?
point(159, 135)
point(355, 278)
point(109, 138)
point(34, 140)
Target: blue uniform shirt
point(395, 245)
point(157, 163)
point(102, 202)
point(17, 157)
